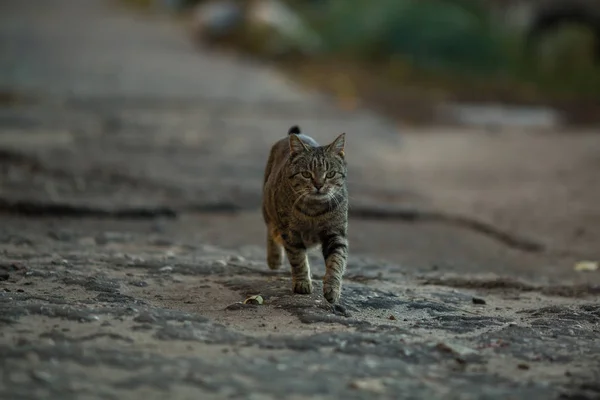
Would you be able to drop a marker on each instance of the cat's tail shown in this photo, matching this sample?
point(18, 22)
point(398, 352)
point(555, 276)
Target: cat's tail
point(294, 130)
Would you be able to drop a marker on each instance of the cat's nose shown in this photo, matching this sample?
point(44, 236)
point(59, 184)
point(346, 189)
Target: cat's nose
point(318, 185)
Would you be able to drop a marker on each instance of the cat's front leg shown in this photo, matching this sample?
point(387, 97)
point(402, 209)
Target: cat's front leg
point(335, 253)
point(296, 254)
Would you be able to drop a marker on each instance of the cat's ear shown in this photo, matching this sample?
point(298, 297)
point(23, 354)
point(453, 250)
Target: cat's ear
point(296, 144)
point(337, 146)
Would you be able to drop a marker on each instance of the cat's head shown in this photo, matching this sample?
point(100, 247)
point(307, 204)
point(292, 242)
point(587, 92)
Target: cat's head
point(318, 173)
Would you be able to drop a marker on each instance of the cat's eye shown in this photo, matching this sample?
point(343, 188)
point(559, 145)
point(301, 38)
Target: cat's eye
point(330, 174)
point(306, 174)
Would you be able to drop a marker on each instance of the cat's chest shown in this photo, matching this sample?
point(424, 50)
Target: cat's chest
point(310, 237)
point(309, 232)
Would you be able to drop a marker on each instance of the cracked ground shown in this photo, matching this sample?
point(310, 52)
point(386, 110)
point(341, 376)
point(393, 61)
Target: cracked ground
point(130, 234)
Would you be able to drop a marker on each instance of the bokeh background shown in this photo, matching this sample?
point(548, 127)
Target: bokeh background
point(472, 125)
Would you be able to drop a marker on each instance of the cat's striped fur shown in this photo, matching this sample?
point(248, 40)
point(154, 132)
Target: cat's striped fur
point(305, 204)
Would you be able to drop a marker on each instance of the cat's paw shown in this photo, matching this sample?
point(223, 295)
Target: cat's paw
point(275, 265)
point(274, 260)
point(303, 286)
point(332, 292)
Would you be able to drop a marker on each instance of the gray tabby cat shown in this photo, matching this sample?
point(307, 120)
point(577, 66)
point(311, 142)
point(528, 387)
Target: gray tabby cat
point(305, 204)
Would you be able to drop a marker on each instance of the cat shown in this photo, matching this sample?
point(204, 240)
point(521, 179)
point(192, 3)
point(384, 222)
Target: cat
point(305, 204)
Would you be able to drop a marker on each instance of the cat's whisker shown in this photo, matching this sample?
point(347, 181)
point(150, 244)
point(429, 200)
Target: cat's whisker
point(301, 196)
point(331, 197)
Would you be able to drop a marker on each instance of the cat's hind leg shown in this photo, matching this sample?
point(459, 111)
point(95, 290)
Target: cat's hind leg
point(274, 249)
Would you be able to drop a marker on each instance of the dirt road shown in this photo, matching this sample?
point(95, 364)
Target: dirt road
point(130, 172)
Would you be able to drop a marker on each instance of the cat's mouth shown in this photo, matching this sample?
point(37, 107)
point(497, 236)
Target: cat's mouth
point(320, 196)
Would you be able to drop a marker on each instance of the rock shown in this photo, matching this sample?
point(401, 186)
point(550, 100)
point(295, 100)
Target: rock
point(586, 266)
point(240, 306)
point(455, 349)
point(478, 300)
point(170, 254)
point(145, 317)
point(167, 268)
point(368, 384)
point(42, 376)
point(139, 283)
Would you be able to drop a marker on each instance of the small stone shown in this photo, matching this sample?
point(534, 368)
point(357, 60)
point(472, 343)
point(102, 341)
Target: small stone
point(478, 300)
point(145, 317)
point(460, 360)
point(239, 306)
point(339, 309)
point(391, 317)
point(134, 259)
point(167, 268)
point(42, 376)
point(586, 266)
point(523, 366)
point(237, 259)
point(368, 384)
point(20, 291)
point(139, 283)
point(220, 263)
point(169, 254)
point(455, 348)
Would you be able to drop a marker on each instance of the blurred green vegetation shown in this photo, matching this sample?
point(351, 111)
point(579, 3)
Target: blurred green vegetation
point(454, 44)
point(447, 47)
point(437, 35)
